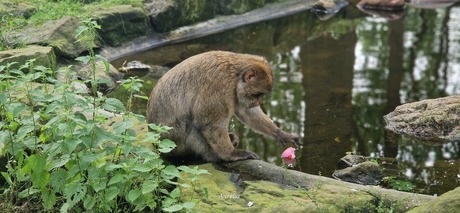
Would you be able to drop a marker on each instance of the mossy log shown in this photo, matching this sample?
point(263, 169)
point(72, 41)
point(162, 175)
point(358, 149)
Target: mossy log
point(260, 170)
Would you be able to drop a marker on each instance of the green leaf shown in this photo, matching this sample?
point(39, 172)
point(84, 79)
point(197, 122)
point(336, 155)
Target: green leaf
point(166, 146)
point(170, 171)
point(158, 128)
point(113, 105)
point(7, 178)
point(112, 167)
point(111, 193)
point(58, 179)
point(27, 192)
point(173, 208)
point(115, 179)
point(49, 198)
point(145, 167)
point(24, 130)
point(189, 205)
point(133, 195)
point(75, 192)
point(175, 193)
point(60, 161)
point(89, 202)
point(84, 59)
point(121, 127)
point(148, 186)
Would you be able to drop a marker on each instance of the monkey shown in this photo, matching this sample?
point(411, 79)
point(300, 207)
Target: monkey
point(199, 96)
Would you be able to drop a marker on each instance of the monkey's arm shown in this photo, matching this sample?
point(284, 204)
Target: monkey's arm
point(258, 121)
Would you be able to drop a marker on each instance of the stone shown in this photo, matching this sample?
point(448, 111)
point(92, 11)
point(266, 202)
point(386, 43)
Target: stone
point(43, 56)
point(108, 77)
point(228, 7)
point(166, 15)
point(366, 173)
point(60, 34)
point(18, 8)
point(448, 202)
point(350, 160)
point(121, 23)
point(434, 121)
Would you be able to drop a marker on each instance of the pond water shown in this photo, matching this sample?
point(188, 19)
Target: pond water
point(335, 80)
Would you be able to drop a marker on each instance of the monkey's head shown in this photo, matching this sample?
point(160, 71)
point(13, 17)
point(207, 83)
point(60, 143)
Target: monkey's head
point(256, 80)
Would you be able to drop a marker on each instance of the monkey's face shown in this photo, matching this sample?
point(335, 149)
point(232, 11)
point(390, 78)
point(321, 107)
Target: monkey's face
point(254, 84)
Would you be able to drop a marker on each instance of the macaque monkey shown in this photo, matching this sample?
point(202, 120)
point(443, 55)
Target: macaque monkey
point(200, 95)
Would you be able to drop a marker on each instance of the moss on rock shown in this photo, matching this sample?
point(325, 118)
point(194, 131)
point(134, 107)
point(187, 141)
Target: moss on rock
point(121, 23)
point(449, 202)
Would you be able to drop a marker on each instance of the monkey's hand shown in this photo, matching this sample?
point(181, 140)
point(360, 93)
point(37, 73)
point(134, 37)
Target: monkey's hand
point(239, 154)
point(286, 138)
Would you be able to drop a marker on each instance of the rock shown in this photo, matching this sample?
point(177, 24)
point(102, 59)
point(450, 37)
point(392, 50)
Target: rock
point(228, 7)
point(16, 9)
point(60, 34)
point(448, 202)
point(390, 5)
point(43, 56)
point(326, 9)
point(137, 68)
point(166, 15)
point(366, 173)
point(108, 78)
point(434, 121)
point(350, 160)
point(121, 23)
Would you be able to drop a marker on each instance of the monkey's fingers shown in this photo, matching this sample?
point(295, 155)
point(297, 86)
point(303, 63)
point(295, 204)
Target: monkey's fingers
point(296, 142)
point(244, 155)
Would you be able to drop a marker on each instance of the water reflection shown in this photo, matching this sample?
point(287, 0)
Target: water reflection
point(336, 79)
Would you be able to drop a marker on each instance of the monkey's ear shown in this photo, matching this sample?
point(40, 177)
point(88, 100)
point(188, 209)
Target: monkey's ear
point(249, 76)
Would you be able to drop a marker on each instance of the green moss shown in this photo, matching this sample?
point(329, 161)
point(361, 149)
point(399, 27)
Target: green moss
point(264, 196)
point(446, 203)
point(184, 12)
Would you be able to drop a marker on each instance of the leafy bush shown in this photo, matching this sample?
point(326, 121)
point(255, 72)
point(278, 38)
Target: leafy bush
point(76, 152)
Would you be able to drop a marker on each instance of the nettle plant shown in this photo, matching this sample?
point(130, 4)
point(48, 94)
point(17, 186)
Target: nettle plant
point(78, 152)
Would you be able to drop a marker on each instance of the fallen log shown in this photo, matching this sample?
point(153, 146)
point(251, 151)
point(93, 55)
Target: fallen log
point(260, 170)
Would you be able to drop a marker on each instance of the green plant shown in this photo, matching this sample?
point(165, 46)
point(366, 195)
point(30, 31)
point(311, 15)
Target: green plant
point(400, 185)
point(75, 152)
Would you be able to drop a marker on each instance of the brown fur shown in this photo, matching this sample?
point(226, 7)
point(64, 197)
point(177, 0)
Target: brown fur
point(200, 95)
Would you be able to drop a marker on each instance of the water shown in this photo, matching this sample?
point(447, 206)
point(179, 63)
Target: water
point(335, 80)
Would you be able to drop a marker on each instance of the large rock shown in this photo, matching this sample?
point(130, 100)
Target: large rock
point(121, 23)
point(449, 202)
point(60, 34)
point(166, 15)
point(43, 56)
point(434, 120)
point(19, 8)
point(366, 173)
